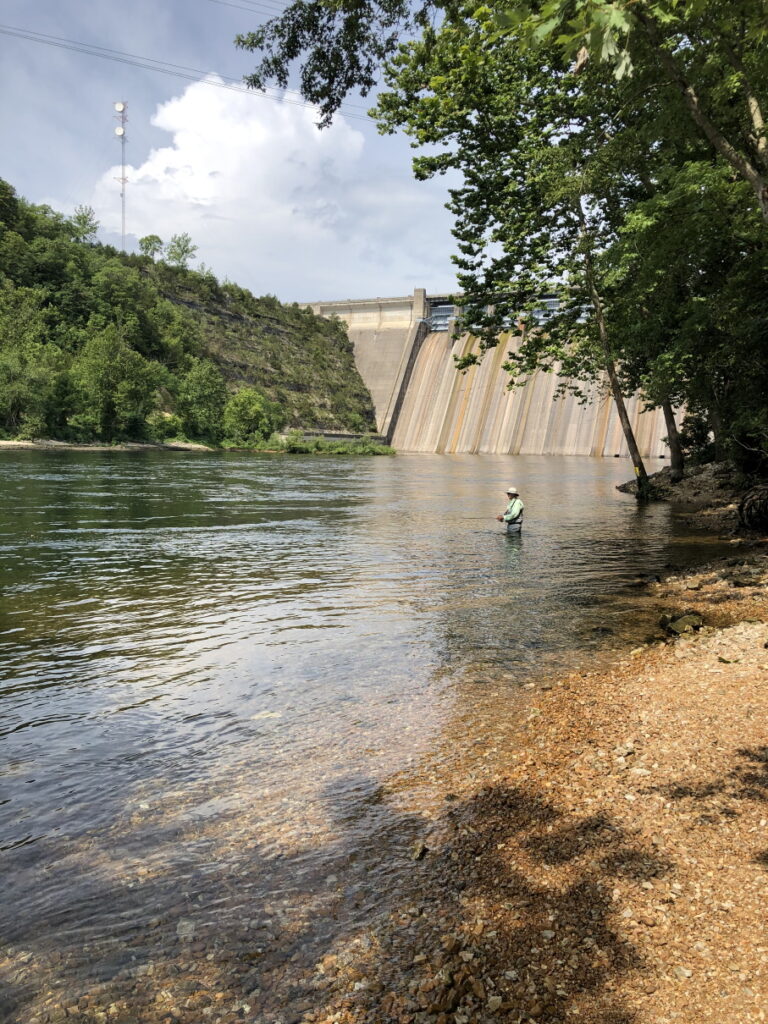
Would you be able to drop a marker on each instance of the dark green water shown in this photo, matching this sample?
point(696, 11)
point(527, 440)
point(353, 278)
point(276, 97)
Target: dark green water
point(213, 661)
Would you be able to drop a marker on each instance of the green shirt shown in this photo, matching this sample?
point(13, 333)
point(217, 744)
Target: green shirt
point(514, 510)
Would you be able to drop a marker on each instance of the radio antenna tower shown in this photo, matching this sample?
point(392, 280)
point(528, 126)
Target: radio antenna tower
point(121, 116)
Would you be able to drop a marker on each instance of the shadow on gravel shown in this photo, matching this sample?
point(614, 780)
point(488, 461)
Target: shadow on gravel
point(746, 781)
point(515, 918)
point(509, 916)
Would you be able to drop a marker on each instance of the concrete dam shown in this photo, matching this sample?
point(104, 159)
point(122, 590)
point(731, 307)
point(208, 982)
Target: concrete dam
point(404, 350)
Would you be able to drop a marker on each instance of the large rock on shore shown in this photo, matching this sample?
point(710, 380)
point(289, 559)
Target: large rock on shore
point(710, 484)
point(753, 508)
point(687, 622)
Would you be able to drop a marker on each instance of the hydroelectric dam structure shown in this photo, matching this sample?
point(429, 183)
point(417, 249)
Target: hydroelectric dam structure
point(404, 349)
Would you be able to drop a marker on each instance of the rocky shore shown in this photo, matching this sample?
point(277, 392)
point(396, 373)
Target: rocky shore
point(616, 868)
point(606, 862)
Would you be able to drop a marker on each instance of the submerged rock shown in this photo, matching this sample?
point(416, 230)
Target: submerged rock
point(185, 929)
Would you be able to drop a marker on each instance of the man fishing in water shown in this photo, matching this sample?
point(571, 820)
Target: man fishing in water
point(513, 517)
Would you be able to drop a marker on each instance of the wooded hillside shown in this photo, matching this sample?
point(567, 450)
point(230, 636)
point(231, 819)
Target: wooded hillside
point(96, 344)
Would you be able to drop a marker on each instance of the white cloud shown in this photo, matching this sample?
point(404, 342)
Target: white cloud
point(281, 207)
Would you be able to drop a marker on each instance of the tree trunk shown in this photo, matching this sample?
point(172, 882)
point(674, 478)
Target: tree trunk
point(673, 440)
point(643, 484)
point(716, 423)
point(753, 105)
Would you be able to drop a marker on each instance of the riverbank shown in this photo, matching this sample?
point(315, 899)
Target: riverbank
point(606, 862)
point(291, 444)
point(614, 868)
point(708, 495)
point(123, 446)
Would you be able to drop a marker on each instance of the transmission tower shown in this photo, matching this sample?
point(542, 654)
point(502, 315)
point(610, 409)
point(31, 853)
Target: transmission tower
point(121, 116)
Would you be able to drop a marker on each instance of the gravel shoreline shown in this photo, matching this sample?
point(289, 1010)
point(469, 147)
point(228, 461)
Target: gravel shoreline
point(615, 869)
point(604, 861)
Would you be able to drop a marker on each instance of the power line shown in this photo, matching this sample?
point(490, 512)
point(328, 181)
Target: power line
point(94, 50)
point(262, 7)
point(164, 67)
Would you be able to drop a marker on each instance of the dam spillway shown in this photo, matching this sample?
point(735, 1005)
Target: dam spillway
point(423, 404)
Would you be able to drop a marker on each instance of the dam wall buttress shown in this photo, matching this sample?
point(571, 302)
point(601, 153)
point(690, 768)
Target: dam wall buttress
point(423, 404)
point(385, 334)
point(447, 411)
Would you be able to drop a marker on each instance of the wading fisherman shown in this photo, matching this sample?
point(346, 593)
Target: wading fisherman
point(513, 517)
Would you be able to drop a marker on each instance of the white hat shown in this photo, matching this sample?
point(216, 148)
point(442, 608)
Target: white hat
point(512, 490)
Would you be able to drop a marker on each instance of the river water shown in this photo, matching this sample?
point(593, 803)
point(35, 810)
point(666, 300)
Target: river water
point(225, 677)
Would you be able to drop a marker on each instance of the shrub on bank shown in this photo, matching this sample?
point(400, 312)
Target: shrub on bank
point(296, 443)
point(250, 418)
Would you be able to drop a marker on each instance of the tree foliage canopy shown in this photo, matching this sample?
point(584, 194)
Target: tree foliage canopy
point(611, 153)
point(180, 250)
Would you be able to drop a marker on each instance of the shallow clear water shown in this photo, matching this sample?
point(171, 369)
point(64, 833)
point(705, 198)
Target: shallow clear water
point(211, 657)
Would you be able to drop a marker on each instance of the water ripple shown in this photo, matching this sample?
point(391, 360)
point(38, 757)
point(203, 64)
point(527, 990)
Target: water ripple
point(179, 628)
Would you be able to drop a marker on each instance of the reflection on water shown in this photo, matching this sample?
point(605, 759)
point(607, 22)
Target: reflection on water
point(207, 657)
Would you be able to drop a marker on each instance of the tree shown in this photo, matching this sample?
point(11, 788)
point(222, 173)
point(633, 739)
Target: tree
point(32, 371)
point(121, 295)
point(539, 198)
point(32, 390)
point(9, 204)
point(685, 281)
point(151, 245)
point(345, 46)
point(14, 256)
point(84, 224)
point(115, 386)
point(711, 53)
point(180, 250)
point(178, 330)
point(249, 416)
point(201, 398)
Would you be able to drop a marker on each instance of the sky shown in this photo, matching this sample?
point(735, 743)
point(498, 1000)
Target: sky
point(273, 203)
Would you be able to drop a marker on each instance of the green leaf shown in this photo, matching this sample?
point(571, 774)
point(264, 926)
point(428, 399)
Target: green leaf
point(609, 46)
point(545, 29)
point(623, 66)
